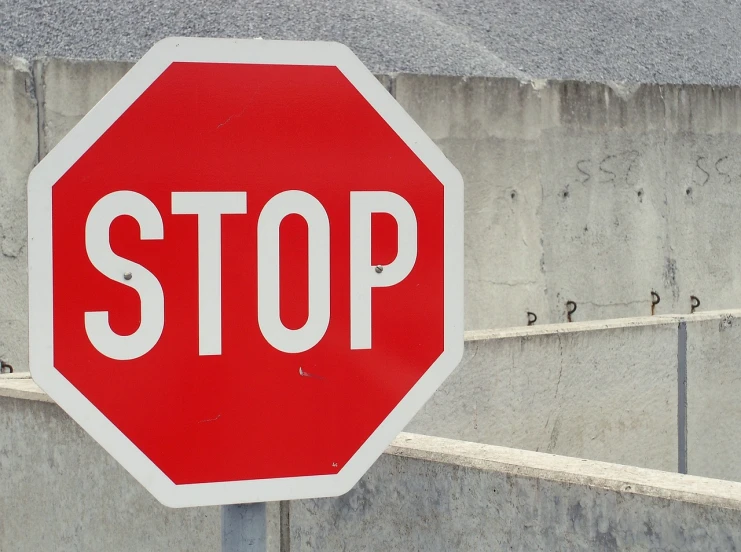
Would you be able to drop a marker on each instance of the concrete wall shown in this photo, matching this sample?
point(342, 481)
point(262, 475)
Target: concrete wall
point(62, 492)
point(67, 90)
point(604, 391)
point(658, 392)
point(621, 391)
point(18, 154)
point(574, 191)
point(437, 494)
point(589, 192)
point(714, 397)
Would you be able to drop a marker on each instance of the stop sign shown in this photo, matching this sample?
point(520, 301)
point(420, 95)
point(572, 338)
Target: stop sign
point(245, 270)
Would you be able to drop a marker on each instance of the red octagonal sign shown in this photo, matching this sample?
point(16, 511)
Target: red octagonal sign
point(246, 270)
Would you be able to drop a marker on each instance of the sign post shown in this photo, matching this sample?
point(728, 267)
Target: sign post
point(246, 273)
point(244, 527)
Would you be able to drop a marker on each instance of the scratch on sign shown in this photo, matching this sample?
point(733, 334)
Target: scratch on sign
point(304, 374)
point(232, 117)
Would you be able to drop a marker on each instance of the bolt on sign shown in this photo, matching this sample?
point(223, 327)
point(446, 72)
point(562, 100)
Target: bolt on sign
point(246, 270)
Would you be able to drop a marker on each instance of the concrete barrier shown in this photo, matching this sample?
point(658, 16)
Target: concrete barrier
point(714, 396)
point(61, 491)
point(589, 192)
point(67, 89)
point(18, 154)
point(657, 392)
point(599, 390)
point(489, 129)
point(429, 493)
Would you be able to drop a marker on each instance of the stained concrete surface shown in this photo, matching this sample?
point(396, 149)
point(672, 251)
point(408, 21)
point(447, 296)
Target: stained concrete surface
point(598, 390)
point(425, 493)
point(428, 493)
point(602, 390)
point(67, 90)
point(18, 154)
point(588, 192)
point(584, 192)
point(713, 397)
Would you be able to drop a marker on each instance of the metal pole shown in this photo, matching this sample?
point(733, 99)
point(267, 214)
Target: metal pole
point(244, 528)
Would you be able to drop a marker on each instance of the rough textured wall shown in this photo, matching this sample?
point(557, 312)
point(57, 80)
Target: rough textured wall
point(62, 492)
point(584, 192)
point(18, 154)
point(659, 392)
point(713, 391)
point(591, 390)
point(439, 494)
point(67, 90)
point(590, 193)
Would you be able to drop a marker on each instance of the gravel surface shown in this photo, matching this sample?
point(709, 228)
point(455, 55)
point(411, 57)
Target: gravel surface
point(675, 41)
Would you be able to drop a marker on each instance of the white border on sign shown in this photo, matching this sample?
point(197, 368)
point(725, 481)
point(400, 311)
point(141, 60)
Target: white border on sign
point(85, 134)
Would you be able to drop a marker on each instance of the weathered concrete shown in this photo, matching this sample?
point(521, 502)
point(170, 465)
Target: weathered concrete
point(589, 192)
point(21, 386)
point(713, 391)
point(18, 154)
point(428, 493)
point(574, 191)
point(488, 129)
point(598, 390)
point(67, 89)
point(607, 390)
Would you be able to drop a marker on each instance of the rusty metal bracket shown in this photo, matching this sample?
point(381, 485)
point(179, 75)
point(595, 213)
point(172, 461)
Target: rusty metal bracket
point(570, 309)
point(694, 303)
point(655, 300)
point(532, 318)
